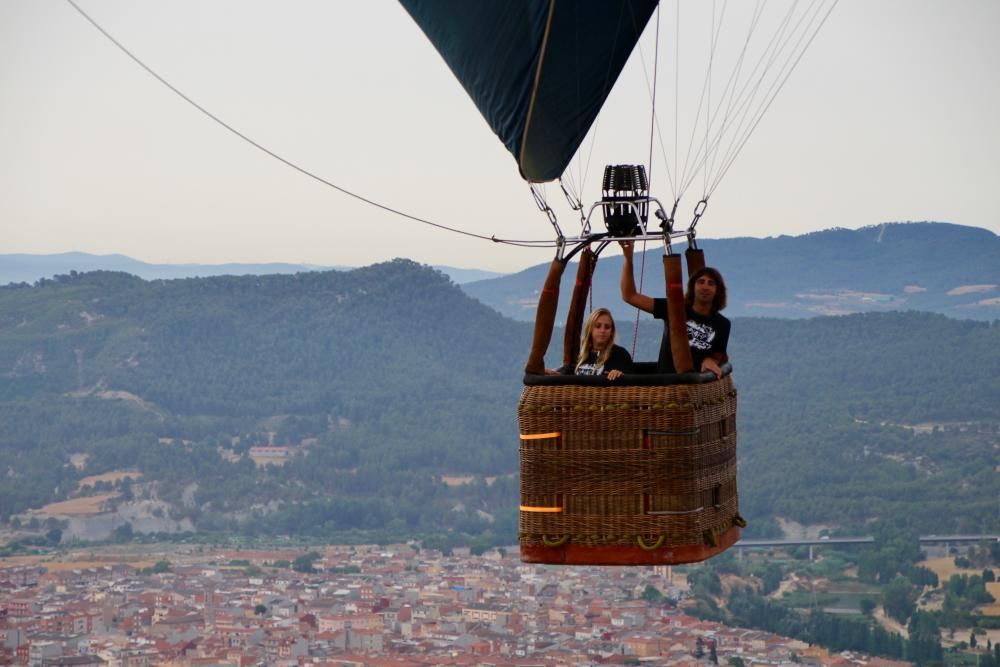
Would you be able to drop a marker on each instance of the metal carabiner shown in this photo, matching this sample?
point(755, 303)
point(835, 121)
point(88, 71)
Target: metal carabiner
point(544, 207)
point(576, 205)
point(699, 210)
point(667, 225)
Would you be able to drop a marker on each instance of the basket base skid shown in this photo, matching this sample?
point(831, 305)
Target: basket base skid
point(578, 554)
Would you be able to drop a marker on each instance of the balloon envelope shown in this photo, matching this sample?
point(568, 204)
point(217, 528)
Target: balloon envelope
point(538, 70)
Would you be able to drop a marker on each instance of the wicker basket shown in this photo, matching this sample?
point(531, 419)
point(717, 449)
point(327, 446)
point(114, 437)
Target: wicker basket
point(628, 475)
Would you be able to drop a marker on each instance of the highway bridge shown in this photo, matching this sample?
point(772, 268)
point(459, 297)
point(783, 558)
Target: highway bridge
point(924, 539)
point(820, 541)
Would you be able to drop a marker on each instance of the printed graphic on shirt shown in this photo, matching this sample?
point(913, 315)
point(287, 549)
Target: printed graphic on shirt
point(590, 369)
point(700, 336)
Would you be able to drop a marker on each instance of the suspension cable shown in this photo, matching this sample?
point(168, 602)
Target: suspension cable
point(730, 86)
point(727, 120)
point(655, 119)
point(642, 277)
point(747, 104)
point(649, 175)
point(652, 110)
point(772, 95)
point(704, 101)
point(739, 102)
point(713, 40)
point(605, 88)
point(775, 48)
point(677, 82)
point(289, 163)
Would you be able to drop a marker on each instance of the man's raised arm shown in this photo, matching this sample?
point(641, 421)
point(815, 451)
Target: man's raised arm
point(629, 293)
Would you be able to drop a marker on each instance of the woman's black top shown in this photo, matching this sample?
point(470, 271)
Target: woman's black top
point(619, 360)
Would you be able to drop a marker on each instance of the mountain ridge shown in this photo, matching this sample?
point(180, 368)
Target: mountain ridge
point(29, 268)
point(927, 266)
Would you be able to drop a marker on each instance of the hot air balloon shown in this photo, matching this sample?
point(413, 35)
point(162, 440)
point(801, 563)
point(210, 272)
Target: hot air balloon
point(641, 470)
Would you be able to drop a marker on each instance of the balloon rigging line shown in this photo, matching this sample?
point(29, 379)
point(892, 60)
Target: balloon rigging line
point(655, 121)
point(713, 41)
point(579, 103)
point(607, 79)
point(778, 43)
point(739, 104)
point(659, 130)
point(577, 187)
point(652, 106)
point(707, 152)
point(777, 89)
point(649, 175)
point(590, 152)
point(289, 163)
point(677, 82)
point(730, 84)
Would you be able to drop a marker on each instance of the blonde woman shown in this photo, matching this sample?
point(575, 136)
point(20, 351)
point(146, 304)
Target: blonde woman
point(598, 353)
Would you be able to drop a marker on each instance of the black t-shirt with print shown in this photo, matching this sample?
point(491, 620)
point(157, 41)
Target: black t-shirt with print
point(619, 360)
point(707, 335)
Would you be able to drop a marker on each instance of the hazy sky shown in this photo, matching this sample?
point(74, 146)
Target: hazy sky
point(892, 115)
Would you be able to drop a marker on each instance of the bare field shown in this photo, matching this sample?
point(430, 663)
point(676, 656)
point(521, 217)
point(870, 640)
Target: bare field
point(21, 561)
point(136, 555)
point(64, 565)
point(945, 567)
point(78, 506)
point(110, 477)
point(65, 562)
point(993, 588)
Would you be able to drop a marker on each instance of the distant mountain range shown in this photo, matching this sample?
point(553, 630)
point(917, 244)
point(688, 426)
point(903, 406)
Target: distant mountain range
point(26, 268)
point(927, 266)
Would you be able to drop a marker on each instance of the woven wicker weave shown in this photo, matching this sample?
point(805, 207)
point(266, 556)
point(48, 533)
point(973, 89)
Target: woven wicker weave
point(648, 470)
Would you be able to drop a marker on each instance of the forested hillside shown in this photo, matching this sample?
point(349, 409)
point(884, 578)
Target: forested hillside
point(895, 415)
point(935, 267)
point(382, 381)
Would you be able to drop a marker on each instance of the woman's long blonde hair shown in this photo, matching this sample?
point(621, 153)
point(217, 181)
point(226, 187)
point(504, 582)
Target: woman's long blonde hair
point(586, 345)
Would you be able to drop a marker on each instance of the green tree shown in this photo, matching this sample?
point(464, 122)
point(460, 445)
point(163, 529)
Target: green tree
point(304, 563)
point(652, 594)
point(122, 533)
point(899, 599)
point(771, 578)
point(867, 606)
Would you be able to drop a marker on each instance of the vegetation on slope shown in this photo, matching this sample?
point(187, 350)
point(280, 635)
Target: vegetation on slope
point(383, 380)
